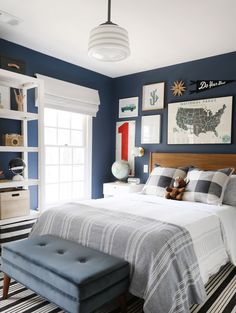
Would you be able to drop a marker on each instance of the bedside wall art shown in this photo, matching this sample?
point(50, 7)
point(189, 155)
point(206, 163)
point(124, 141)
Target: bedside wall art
point(153, 96)
point(125, 142)
point(5, 98)
point(150, 129)
point(128, 107)
point(206, 121)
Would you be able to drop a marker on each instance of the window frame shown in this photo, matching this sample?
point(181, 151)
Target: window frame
point(88, 129)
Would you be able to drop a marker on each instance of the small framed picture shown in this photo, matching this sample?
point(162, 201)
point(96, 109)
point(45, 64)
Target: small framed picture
point(128, 107)
point(153, 96)
point(5, 98)
point(150, 129)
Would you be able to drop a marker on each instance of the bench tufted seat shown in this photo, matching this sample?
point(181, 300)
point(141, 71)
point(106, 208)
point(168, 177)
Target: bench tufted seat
point(74, 277)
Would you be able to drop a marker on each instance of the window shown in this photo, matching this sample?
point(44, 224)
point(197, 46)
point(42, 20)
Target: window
point(67, 156)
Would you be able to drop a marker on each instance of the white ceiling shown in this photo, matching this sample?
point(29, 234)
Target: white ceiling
point(162, 32)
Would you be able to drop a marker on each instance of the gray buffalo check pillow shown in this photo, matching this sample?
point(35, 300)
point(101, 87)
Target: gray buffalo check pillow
point(207, 186)
point(162, 177)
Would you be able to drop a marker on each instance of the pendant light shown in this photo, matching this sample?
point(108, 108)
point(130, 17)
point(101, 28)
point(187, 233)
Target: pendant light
point(108, 42)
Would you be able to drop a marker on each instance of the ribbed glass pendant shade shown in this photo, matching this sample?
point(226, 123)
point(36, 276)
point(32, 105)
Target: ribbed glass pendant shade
point(109, 42)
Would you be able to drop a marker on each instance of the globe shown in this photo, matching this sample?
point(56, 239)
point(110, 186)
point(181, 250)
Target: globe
point(120, 169)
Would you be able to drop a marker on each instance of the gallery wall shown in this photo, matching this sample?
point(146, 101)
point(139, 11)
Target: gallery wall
point(221, 67)
point(102, 125)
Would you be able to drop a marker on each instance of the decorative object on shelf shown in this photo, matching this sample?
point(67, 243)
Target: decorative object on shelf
point(128, 107)
point(14, 140)
point(133, 180)
point(12, 65)
point(19, 99)
point(178, 88)
point(200, 121)
point(150, 129)
point(138, 152)
point(108, 41)
point(153, 96)
point(202, 85)
point(121, 170)
point(5, 98)
point(17, 167)
point(125, 142)
point(2, 174)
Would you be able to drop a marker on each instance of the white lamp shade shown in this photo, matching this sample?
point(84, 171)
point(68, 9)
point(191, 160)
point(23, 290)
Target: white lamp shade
point(109, 42)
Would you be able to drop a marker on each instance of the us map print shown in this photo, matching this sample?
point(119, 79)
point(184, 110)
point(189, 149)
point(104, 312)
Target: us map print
point(200, 121)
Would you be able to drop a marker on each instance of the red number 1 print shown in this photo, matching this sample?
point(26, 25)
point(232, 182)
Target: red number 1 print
point(124, 131)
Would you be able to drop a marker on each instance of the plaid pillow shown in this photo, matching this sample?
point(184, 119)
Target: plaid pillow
point(230, 192)
point(207, 186)
point(162, 177)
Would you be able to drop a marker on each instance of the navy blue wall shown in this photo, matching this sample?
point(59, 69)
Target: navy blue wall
point(221, 67)
point(111, 90)
point(102, 125)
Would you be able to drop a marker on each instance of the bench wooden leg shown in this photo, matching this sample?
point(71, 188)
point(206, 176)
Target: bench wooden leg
point(122, 300)
point(6, 283)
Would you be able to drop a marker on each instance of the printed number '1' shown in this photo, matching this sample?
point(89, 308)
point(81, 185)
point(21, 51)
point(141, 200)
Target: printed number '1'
point(124, 131)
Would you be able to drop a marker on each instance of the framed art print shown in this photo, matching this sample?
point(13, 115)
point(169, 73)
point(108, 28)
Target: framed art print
point(150, 129)
point(5, 98)
point(153, 96)
point(128, 107)
point(125, 142)
point(206, 121)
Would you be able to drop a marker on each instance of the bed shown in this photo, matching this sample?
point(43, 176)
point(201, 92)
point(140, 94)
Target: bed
point(173, 247)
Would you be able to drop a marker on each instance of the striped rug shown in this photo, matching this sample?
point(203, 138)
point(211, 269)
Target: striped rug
point(221, 291)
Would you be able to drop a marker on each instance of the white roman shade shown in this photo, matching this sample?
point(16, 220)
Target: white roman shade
point(62, 95)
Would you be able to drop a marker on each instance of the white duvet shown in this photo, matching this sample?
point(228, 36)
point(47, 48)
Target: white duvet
point(212, 228)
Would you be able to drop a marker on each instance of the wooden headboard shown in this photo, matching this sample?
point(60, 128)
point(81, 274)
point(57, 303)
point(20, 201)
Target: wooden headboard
point(203, 161)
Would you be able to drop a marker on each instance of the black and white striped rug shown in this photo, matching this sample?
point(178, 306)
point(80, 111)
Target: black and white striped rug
point(221, 291)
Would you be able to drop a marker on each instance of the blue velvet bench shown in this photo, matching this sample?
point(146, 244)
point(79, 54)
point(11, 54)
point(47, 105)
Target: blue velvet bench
point(76, 278)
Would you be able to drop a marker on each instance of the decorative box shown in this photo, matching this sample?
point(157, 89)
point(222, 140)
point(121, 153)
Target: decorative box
point(13, 65)
point(14, 203)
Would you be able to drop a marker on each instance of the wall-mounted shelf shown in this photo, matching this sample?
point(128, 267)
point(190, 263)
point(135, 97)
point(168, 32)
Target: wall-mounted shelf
point(16, 184)
point(18, 115)
point(18, 149)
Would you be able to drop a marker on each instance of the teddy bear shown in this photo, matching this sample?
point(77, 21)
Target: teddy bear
point(176, 192)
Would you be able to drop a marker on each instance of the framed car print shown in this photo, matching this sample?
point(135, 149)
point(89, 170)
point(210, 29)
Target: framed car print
point(128, 107)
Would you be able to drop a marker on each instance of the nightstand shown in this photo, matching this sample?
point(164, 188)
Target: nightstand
point(116, 188)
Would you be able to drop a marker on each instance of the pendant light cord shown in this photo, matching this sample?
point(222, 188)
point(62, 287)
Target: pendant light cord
point(109, 12)
point(109, 15)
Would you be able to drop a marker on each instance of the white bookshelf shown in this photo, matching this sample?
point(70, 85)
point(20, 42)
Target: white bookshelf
point(23, 82)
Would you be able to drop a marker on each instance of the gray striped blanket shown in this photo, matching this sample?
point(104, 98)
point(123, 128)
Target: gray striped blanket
point(164, 268)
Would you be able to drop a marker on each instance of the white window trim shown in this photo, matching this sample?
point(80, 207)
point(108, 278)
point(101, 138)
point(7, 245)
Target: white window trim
point(88, 162)
point(88, 168)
